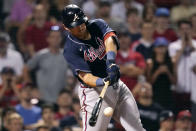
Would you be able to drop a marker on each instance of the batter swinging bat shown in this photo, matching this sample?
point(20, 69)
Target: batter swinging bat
point(97, 107)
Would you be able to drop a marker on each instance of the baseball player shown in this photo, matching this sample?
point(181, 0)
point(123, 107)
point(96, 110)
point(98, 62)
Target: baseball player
point(90, 50)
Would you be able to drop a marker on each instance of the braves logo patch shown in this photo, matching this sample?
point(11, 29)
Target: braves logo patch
point(91, 54)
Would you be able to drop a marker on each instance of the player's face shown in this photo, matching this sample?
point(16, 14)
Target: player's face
point(79, 31)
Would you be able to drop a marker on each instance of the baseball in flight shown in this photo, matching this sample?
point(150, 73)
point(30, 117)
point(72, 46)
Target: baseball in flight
point(108, 111)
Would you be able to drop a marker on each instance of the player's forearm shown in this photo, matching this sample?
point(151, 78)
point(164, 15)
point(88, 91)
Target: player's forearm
point(91, 80)
point(110, 45)
point(111, 50)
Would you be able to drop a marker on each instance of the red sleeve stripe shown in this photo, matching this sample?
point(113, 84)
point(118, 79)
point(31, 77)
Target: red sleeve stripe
point(108, 35)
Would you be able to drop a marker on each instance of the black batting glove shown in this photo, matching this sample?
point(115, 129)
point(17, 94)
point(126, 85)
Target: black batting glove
point(113, 74)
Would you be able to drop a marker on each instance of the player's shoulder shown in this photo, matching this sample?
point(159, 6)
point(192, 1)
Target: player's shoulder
point(97, 22)
point(72, 42)
point(72, 45)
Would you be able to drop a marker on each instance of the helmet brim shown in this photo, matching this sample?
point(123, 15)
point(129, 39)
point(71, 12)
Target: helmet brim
point(78, 22)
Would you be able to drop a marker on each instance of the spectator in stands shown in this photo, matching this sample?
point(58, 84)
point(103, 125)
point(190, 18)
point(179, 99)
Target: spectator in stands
point(50, 67)
point(93, 4)
point(77, 111)
point(42, 128)
point(72, 82)
point(149, 110)
point(67, 129)
point(183, 121)
point(148, 12)
point(55, 10)
point(103, 12)
point(162, 25)
point(15, 122)
point(132, 64)
point(180, 51)
point(36, 34)
point(6, 112)
point(160, 73)
point(65, 113)
point(193, 22)
point(182, 11)
point(10, 44)
point(124, 6)
point(133, 23)
point(9, 57)
point(166, 120)
point(36, 96)
point(64, 102)
point(21, 9)
point(48, 118)
point(6, 7)
point(30, 113)
point(145, 44)
point(9, 91)
point(193, 89)
point(166, 3)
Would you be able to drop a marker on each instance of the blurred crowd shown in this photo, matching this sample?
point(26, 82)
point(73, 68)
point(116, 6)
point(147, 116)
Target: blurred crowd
point(157, 60)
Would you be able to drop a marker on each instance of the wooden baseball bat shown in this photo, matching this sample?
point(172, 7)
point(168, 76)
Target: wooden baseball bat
point(97, 107)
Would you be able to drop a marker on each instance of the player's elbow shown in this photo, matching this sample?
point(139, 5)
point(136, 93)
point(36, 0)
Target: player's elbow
point(87, 78)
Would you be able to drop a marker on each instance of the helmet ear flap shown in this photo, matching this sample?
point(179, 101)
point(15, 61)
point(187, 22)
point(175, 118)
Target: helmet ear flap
point(67, 29)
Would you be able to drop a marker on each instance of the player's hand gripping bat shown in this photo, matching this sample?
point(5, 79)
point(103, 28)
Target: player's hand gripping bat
point(97, 107)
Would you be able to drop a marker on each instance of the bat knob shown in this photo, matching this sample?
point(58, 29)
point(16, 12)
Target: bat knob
point(92, 121)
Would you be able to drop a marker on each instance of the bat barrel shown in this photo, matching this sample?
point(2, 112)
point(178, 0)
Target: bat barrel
point(95, 112)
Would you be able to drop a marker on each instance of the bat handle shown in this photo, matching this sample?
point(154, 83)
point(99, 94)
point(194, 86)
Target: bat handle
point(104, 89)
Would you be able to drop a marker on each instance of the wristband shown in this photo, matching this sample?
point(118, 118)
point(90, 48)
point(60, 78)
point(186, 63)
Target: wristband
point(100, 82)
point(111, 55)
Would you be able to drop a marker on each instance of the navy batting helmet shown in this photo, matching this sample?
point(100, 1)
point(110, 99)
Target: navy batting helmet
point(73, 16)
